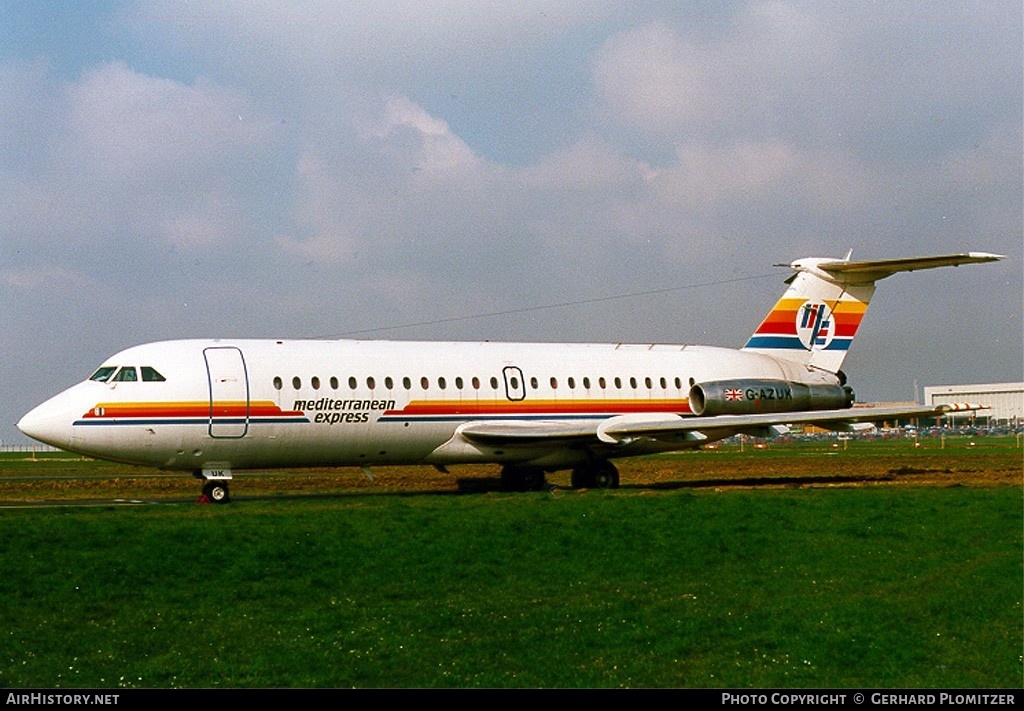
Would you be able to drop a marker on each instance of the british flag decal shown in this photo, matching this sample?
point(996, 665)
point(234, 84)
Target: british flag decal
point(733, 394)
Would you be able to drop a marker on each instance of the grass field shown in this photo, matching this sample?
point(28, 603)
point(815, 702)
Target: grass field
point(886, 565)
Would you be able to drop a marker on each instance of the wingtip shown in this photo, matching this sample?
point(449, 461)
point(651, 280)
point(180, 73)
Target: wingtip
point(962, 407)
point(987, 256)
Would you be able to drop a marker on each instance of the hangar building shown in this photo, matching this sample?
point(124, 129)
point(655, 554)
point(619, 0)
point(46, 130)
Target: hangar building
point(1006, 400)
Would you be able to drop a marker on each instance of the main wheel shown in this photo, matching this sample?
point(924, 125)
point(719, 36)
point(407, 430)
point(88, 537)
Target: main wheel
point(519, 478)
point(606, 476)
point(582, 478)
point(595, 475)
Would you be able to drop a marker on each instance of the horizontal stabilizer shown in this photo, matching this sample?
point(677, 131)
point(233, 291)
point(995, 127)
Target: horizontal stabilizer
point(873, 270)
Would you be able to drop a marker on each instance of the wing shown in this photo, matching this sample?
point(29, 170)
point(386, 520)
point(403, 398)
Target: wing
point(624, 429)
point(621, 429)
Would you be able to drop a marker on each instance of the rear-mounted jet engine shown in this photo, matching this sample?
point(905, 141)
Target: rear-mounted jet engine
point(745, 397)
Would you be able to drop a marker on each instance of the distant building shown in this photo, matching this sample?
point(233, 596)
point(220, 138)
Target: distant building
point(1005, 400)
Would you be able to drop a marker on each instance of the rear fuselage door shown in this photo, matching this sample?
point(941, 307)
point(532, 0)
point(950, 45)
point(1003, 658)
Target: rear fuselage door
point(515, 388)
point(229, 392)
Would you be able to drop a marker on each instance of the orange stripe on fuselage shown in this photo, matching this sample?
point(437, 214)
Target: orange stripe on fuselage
point(198, 408)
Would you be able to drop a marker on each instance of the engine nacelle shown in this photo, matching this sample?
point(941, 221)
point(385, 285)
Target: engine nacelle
point(750, 396)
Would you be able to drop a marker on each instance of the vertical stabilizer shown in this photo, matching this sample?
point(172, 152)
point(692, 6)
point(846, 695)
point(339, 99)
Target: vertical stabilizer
point(816, 319)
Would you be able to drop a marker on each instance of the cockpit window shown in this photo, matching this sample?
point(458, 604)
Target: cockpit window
point(103, 374)
point(126, 375)
point(150, 375)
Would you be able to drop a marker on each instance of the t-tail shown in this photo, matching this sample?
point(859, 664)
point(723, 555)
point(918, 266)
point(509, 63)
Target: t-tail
point(816, 319)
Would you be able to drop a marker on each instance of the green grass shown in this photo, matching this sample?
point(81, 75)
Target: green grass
point(872, 587)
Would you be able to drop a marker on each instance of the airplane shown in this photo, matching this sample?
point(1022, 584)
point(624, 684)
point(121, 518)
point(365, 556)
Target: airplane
point(218, 406)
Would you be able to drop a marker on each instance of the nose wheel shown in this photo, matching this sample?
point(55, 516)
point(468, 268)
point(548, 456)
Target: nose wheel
point(217, 492)
point(215, 485)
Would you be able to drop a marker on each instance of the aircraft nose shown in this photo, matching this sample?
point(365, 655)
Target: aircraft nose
point(48, 423)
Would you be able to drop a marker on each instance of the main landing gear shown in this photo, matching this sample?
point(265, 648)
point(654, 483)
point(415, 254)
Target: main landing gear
point(516, 477)
point(600, 474)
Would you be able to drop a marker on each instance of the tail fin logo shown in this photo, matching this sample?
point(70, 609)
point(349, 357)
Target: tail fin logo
point(815, 325)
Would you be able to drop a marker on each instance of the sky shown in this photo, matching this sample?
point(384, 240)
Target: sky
point(512, 171)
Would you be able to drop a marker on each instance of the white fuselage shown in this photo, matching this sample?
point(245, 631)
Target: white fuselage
point(246, 404)
point(211, 406)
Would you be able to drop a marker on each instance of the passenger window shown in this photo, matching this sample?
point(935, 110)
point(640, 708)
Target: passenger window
point(150, 375)
point(103, 374)
point(126, 375)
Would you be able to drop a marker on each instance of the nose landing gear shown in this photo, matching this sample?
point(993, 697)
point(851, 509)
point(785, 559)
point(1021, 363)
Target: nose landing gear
point(215, 485)
point(216, 491)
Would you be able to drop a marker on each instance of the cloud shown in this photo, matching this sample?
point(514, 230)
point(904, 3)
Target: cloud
point(672, 84)
point(423, 143)
point(119, 152)
point(894, 84)
point(370, 38)
point(377, 187)
point(25, 278)
point(127, 126)
point(649, 78)
point(321, 215)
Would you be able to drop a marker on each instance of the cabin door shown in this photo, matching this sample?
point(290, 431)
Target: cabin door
point(229, 392)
